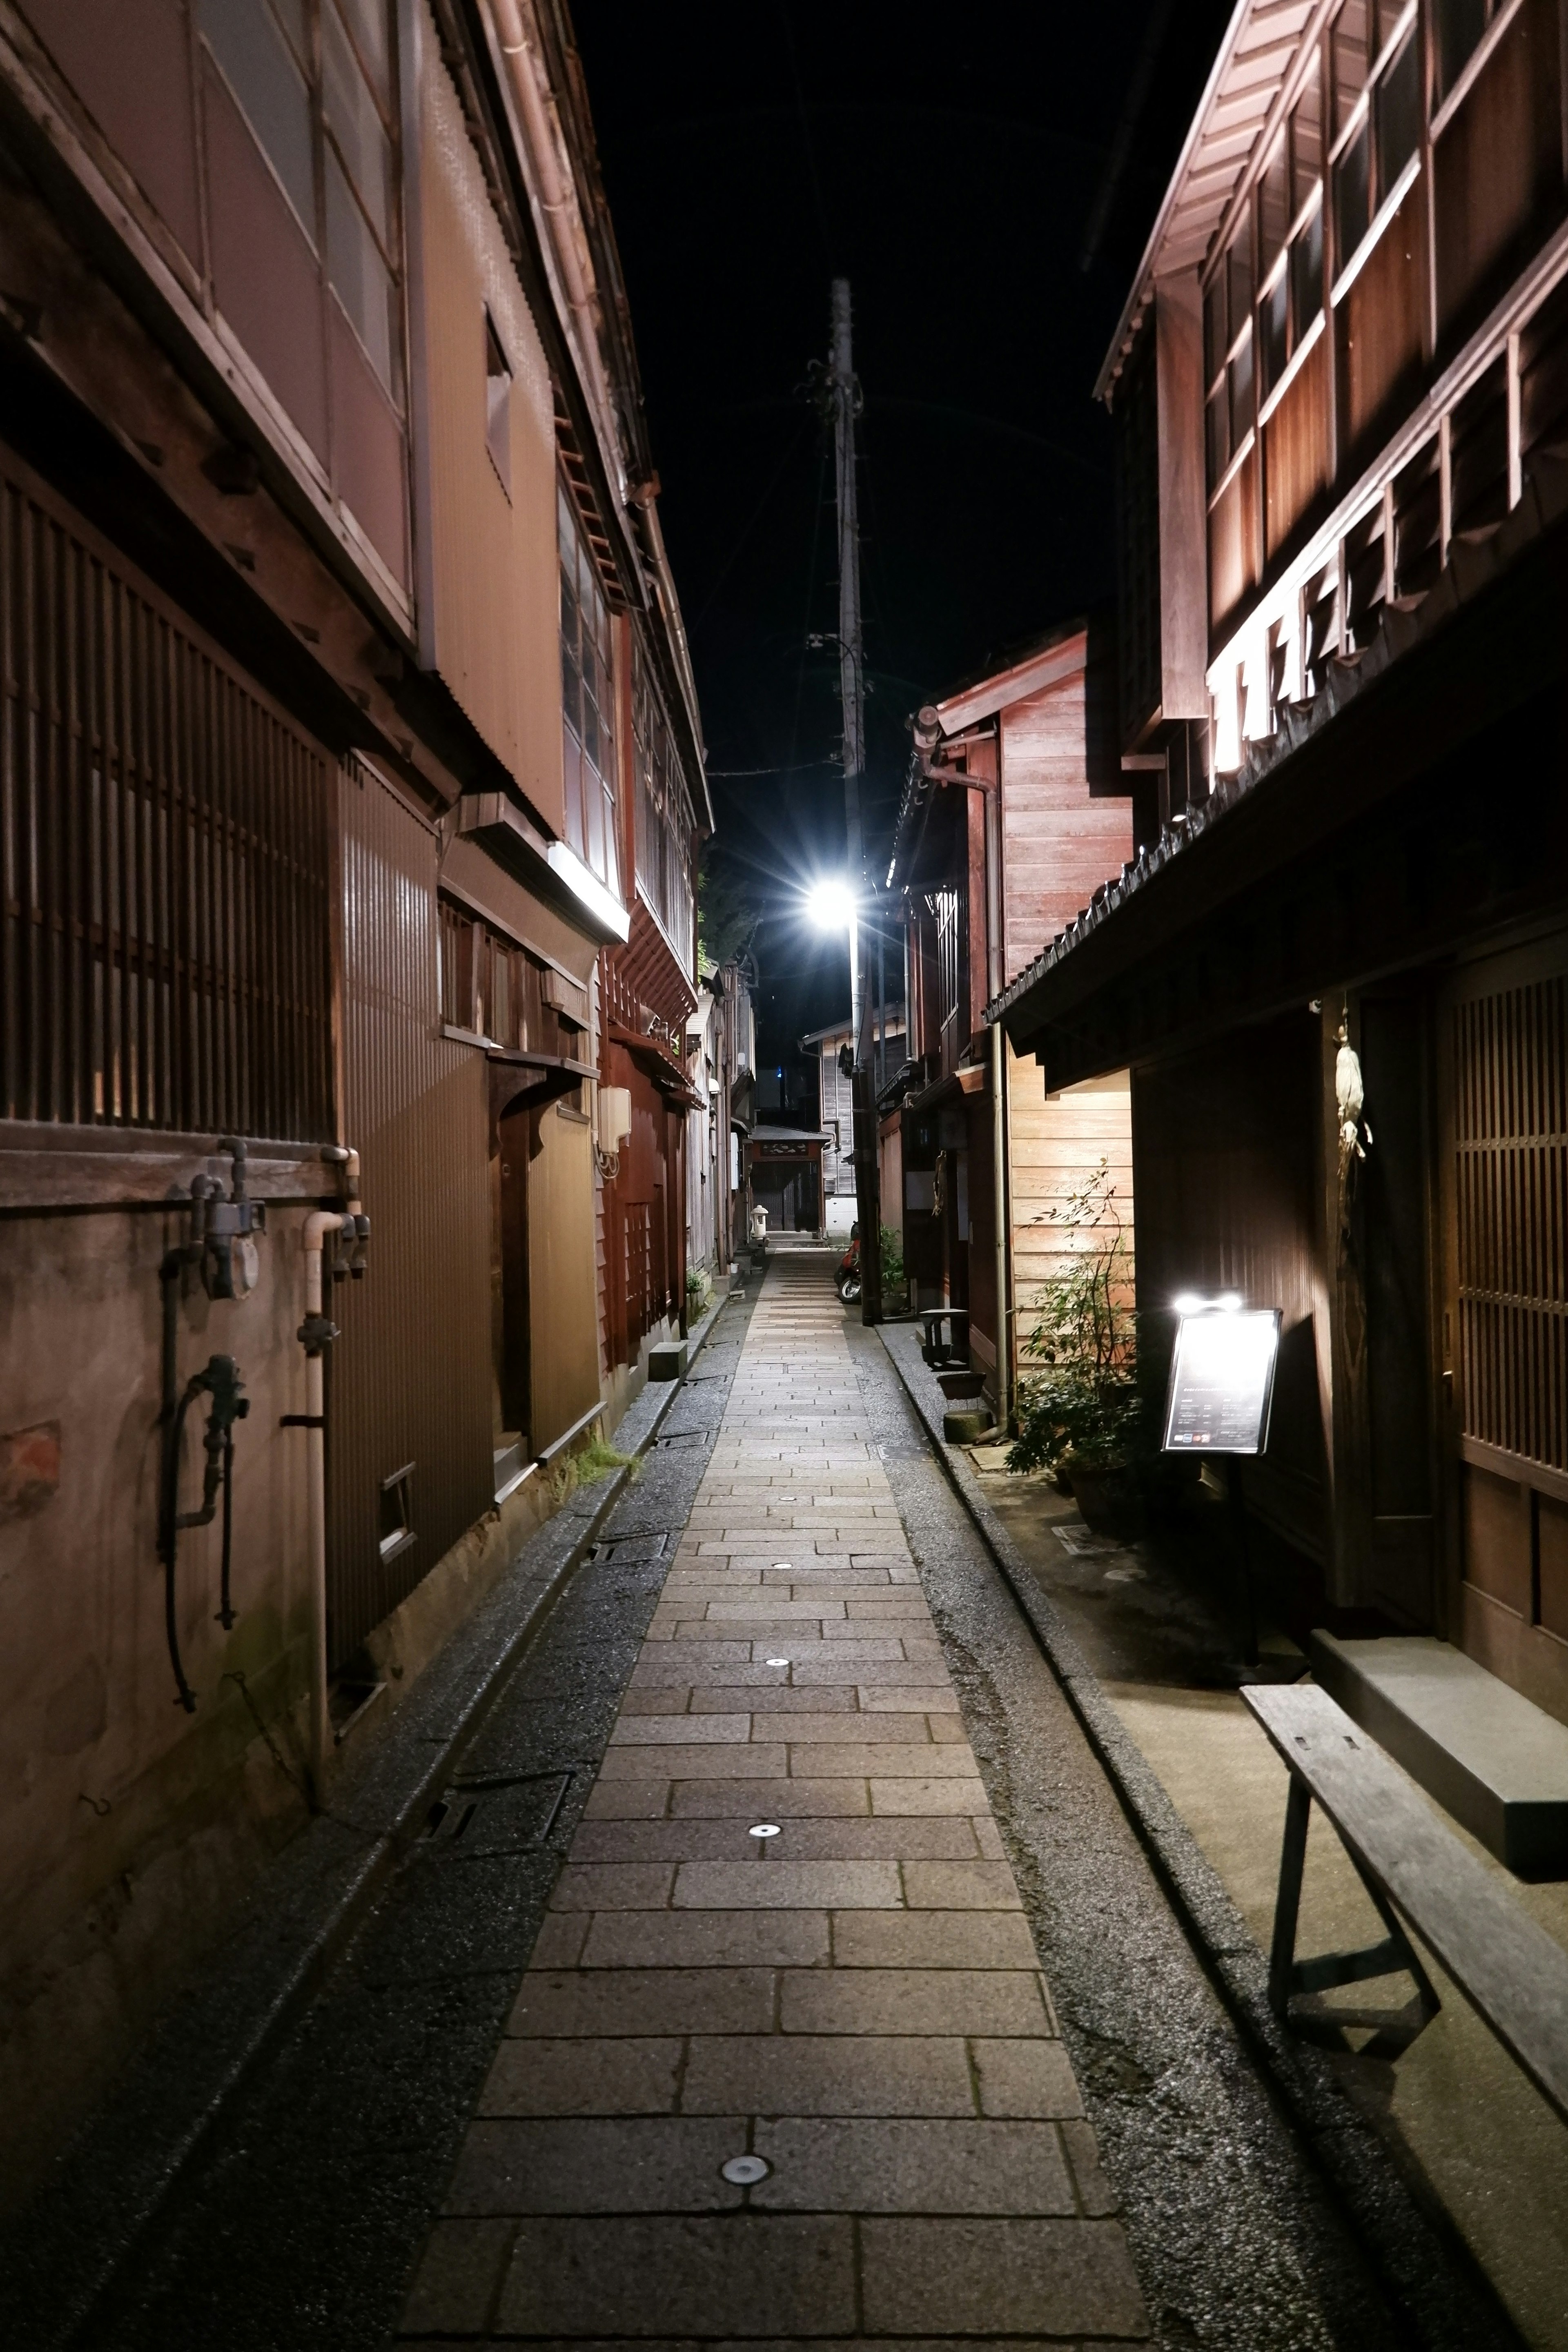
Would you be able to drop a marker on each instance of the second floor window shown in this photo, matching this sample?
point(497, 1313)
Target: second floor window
point(1228, 354)
point(1290, 238)
point(663, 828)
point(1376, 67)
point(588, 710)
point(294, 63)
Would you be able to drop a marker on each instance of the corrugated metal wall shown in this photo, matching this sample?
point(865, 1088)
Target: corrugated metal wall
point(410, 1377)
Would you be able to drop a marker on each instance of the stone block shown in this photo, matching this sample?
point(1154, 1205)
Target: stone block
point(779, 2274)
point(642, 2002)
point(999, 2277)
point(1001, 2001)
point(614, 2164)
point(828, 2074)
point(904, 2166)
point(1024, 2078)
point(629, 2077)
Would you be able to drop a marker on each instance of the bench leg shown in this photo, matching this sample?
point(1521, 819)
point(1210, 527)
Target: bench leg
point(1399, 1942)
point(1288, 1903)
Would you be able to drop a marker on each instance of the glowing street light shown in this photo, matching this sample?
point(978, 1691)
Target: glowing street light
point(831, 906)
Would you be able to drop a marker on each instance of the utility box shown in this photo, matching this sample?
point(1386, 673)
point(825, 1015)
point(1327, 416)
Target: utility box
point(667, 1362)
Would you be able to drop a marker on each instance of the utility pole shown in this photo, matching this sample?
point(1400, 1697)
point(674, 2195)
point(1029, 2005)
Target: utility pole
point(844, 395)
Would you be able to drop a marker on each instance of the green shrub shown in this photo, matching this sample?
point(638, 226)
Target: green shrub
point(1083, 1404)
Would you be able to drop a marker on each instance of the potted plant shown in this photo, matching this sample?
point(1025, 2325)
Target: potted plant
point(1080, 1409)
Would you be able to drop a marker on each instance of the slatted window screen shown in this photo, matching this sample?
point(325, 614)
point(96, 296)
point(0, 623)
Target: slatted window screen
point(164, 947)
point(1510, 1095)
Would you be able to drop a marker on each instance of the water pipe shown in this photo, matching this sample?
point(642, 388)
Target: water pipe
point(347, 1230)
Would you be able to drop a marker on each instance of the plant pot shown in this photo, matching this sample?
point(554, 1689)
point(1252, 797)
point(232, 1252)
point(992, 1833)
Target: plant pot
point(1108, 1496)
point(958, 1384)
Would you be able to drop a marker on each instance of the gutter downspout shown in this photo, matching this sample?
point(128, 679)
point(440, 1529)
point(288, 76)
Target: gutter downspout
point(999, 1168)
point(316, 1334)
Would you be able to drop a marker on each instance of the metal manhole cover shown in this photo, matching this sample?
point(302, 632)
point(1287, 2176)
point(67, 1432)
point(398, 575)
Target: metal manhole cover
point(631, 1551)
point(493, 1815)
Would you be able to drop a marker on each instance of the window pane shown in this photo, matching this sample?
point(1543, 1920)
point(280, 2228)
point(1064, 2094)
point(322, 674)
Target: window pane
point(1274, 325)
point(612, 862)
point(1350, 61)
point(1216, 343)
point(1398, 114)
point(1238, 269)
point(574, 781)
point(359, 277)
point(1351, 194)
point(594, 817)
point(1241, 393)
point(355, 125)
point(367, 21)
point(1307, 274)
point(1273, 207)
point(1457, 26)
point(259, 70)
point(1218, 435)
point(1307, 142)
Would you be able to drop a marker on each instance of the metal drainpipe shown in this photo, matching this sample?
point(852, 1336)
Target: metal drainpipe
point(318, 1227)
point(999, 1160)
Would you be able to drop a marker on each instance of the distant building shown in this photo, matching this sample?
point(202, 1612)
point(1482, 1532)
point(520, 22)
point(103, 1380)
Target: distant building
point(827, 1048)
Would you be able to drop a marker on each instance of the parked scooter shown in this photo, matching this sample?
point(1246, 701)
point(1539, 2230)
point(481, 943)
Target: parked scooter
point(846, 1281)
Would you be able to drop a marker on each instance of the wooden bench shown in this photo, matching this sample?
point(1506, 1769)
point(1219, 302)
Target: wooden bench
point(1413, 1868)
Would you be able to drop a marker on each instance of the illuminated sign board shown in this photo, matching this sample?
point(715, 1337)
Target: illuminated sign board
point(1222, 1381)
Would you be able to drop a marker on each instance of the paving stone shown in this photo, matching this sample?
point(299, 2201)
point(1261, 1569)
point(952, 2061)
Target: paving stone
point(559, 1941)
point(799, 1840)
point(457, 2282)
point(841, 2165)
point(621, 2164)
point(879, 1699)
point(627, 1800)
point(742, 2275)
point(613, 1886)
point(784, 1699)
point(960, 1886)
point(922, 1794)
point(881, 1730)
point(1000, 2278)
point(1096, 2194)
point(637, 2077)
point(749, 1760)
point(912, 2001)
point(595, 2003)
point(828, 2074)
point(777, 1800)
point(934, 1939)
point(1024, 2078)
point(707, 1939)
point(636, 1730)
point(765, 1884)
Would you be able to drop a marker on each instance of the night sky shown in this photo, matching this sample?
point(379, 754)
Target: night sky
point(952, 163)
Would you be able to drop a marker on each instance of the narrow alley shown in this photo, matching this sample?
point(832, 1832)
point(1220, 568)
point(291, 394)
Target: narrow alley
point(783, 2061)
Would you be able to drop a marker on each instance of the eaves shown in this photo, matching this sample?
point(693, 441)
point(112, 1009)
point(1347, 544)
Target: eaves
point(1188, 860)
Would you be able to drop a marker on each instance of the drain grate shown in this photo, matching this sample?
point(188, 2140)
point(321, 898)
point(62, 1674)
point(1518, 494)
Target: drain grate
point(686, 1438)
point(632, 1551)
point(497, 1814)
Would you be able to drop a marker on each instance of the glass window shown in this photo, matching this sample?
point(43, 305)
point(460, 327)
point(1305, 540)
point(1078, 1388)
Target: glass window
point(259, 67)
point(1457, 26)
point(1307, 272)
point(1274, 330)
point(360, 278)
point(1307, 142)
point(663, 822)
point(355, 123)
point(1216, 343)
point(1350, 61)
point(1352, 193)
point(1241, 393)
point(1273, 205)
point(1398, 110)
point(367, 23)
point(587, 701)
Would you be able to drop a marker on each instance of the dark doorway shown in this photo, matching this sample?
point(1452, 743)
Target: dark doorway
point(515, 1366)
point(1393, 1184)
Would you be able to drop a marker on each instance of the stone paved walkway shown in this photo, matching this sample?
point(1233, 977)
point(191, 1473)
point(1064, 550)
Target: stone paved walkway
point(853, 2003)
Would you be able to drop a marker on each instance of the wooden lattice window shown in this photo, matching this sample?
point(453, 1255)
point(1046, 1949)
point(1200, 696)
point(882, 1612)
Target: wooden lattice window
point(164, 840)
point(1510, 1126)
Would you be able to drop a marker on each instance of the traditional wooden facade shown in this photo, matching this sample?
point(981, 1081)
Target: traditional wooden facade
point(1340, 391)
point(1016, 810)
point(330, 582)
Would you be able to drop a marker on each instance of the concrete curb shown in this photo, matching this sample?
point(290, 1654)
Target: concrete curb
point(1429, 2269)
point(110, 2184)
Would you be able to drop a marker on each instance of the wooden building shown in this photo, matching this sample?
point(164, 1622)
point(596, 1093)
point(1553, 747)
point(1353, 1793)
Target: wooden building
point(1340, 391)
point(353, 769)
point(829, 1048)
point(1016, 810)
